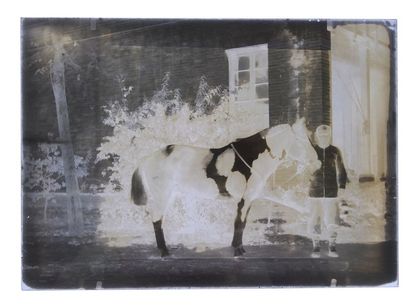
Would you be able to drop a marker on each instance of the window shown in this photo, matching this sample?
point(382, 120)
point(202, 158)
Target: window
point(248, 73)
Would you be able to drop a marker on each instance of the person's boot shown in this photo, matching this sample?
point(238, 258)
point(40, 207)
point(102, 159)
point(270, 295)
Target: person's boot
point(332, 252)
point(316, 249)
point(332, 248)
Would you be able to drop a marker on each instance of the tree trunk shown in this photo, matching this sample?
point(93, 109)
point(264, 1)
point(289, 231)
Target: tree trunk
point(45, 210)
point(74, 206)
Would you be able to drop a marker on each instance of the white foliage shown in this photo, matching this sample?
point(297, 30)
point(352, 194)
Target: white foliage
point(44, 169)
point(162, 120)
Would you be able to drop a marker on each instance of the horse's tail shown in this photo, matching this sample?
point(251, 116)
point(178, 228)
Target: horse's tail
point(138, 194)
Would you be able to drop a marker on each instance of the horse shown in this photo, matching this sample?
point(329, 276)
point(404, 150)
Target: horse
point(238, 170)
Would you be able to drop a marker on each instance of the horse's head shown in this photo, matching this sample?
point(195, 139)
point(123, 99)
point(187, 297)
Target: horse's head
point(292, 143)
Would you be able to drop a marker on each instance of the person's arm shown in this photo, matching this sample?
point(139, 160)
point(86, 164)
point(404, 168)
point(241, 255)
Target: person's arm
point(342, 175)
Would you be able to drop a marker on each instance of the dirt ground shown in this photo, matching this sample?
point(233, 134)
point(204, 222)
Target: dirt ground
point(53, 260)
point(68, 263)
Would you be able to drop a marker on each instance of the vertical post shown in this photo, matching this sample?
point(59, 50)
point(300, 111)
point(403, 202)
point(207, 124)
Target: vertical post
point(391, 182)
point(365, 158)
point(74, 206)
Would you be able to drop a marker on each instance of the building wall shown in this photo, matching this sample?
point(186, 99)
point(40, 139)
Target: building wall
point(140, 52)
point(361, 88)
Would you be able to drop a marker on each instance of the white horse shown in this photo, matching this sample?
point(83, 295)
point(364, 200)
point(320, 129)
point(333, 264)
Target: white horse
point(238, 171)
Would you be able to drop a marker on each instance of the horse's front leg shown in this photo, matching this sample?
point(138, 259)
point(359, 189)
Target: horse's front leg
point(239, 226)
point(253, 190)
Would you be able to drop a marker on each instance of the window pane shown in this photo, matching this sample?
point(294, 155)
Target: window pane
point(261, 60)
point(243, 63)
point(243, 78)
point(262, 91)
point(243, 93)
point(261, 75)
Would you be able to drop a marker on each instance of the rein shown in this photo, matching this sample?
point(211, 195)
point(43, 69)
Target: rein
point(270, 153)
point(242, 159)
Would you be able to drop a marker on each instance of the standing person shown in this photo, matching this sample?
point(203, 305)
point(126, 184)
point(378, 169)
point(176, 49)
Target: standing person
point(326, 184)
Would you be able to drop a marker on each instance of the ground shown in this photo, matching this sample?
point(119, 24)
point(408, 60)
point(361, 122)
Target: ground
point(53, 260)
point(72, 263)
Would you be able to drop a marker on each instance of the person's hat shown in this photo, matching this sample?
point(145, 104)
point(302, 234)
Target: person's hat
point(323, 130)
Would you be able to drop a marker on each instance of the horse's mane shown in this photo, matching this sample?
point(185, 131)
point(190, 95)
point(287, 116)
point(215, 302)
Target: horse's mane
point(275, 130)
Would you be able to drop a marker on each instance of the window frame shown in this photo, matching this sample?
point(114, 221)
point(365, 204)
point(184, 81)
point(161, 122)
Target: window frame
point(233, 58)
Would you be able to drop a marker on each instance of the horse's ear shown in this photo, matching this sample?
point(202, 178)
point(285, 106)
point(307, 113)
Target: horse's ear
point(300, 128)
point(264, 133)
point(300, 123)
point(278, 138)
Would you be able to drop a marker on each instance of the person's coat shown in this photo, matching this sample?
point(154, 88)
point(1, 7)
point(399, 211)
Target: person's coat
point(331, 176)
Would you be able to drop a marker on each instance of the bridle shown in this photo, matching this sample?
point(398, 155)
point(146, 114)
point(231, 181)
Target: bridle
point(271, 155)
point(247, 165)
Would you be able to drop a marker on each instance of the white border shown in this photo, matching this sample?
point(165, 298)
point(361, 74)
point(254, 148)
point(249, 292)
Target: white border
point(10, 177)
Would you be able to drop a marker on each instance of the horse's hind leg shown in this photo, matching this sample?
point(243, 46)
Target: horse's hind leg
point(158, 208)
point(239, 226)
point(159, 236)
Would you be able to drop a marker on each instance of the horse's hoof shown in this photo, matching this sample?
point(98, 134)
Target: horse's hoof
point(238, 252)
point(165, 253)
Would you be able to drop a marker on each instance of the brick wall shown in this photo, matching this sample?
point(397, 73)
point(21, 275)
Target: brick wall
point(301, 90)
